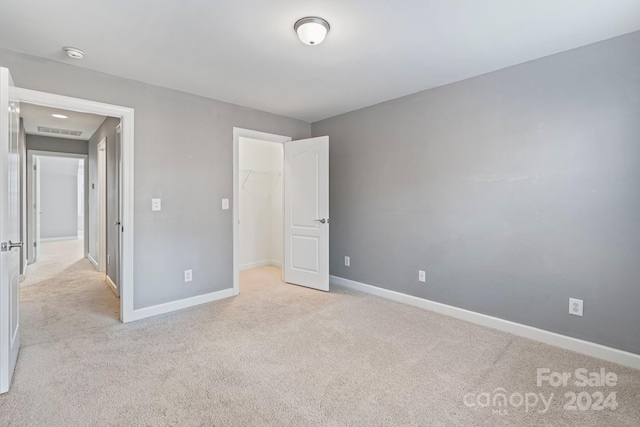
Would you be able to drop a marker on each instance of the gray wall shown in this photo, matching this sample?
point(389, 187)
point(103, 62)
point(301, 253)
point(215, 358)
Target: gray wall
point(58, 197)
point(183, 154)
point(60, 145)
point(514, 190)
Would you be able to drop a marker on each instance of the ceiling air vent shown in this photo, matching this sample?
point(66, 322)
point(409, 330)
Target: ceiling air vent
point(67, 132)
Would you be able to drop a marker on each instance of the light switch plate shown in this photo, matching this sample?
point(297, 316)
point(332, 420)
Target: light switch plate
point(347, 261)
point(225, 204)
point(156, 204)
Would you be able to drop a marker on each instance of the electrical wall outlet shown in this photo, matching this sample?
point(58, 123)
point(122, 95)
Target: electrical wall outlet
point(347, 261)
point(188, 275)
point(156, 205)
point(575, 307)
point(422, 276)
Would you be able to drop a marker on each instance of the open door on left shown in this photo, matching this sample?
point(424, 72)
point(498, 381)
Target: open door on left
point(10, 245)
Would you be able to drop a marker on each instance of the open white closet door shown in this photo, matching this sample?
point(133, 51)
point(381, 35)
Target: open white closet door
point(10, 245)
point(306, 213)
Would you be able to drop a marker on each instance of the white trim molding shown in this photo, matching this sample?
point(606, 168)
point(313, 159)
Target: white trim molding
point(588, 348)
point(93, 261)
point(154, 310)
point(111, 285)
point(258, 264)
point(57, 239)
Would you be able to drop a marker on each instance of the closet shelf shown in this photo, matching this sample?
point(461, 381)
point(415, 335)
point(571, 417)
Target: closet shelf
point(260, 171)
point(250, 171)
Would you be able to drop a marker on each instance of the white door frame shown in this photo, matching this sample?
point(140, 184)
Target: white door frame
point(126, 116)
point(101, 162)
point(237, 134)
point(30, 196)
point(118, 145)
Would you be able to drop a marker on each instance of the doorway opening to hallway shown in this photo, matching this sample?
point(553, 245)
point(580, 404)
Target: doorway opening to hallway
point(16, 278)
point(71, 193)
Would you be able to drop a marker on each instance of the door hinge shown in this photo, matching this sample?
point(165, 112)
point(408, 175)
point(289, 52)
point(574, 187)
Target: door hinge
point(35, 244)
point(35, 167)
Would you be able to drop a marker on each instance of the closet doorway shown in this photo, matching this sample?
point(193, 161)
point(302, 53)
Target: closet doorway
point(261, 215)
point(281, 208)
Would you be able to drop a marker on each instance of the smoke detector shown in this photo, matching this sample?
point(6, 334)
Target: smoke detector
point(73, 52)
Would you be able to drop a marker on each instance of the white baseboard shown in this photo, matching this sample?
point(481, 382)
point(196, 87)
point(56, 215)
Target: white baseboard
point(93, 261)
point(588, 348)
point(258, 264)
point(112, 285)
point(154, 310)
point(57, 239)
point(255, 264)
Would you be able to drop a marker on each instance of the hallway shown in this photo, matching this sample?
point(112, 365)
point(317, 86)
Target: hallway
point(63, 295)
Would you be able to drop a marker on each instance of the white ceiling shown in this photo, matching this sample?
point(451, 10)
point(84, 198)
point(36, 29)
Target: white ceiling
point(36, 115)
point(246, 51)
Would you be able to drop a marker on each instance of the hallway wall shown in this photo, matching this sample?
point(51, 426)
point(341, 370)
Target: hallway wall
point(106, 130)
point(59, 145)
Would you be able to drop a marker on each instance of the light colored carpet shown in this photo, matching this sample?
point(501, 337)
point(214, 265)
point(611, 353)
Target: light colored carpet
point(277, 355)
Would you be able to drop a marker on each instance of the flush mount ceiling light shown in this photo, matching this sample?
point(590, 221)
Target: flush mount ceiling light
point(311, 30)
point(59, 116)
point(73, 52)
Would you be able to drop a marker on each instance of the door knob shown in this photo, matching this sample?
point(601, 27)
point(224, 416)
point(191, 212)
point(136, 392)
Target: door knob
point(14, 245)
point(322, 221)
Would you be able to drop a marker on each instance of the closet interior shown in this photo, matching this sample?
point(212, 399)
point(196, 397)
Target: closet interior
point(261, 203)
